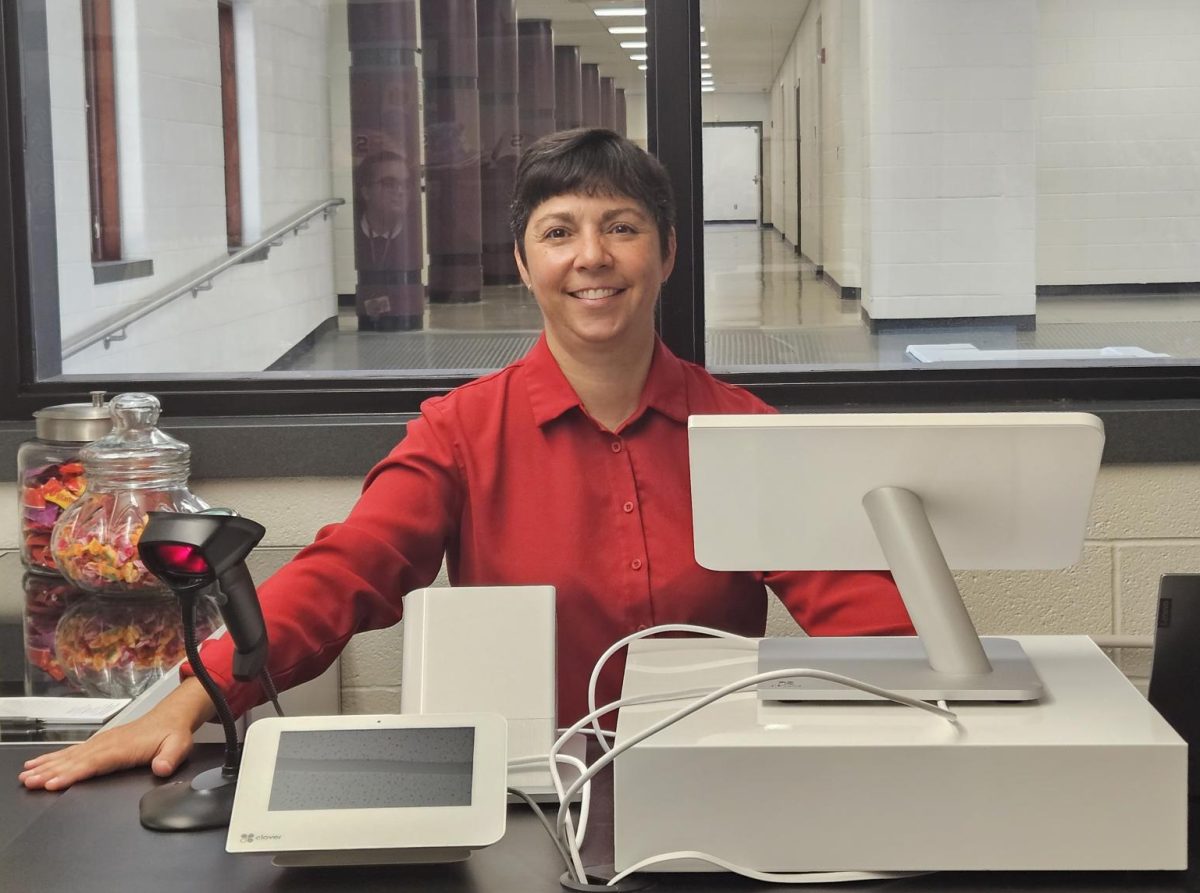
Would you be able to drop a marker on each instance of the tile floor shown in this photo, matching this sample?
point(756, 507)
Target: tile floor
point(765, 310)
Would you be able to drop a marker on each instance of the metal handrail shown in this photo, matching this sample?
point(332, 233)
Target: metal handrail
point(114, 329)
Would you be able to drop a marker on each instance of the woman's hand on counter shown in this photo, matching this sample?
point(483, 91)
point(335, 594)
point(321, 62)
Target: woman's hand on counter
point(161, 739)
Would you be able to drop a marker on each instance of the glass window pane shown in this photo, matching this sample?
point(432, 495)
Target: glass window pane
point(298, 187)
point(900, 184)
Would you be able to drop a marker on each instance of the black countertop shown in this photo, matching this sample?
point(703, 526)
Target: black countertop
point(88, 838)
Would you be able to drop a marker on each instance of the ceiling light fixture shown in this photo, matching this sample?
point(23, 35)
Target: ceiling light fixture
point(640, 57)
point(619, 11)
point(708, 89)
point(643, 67)
point(628, 29)
point(634, 44)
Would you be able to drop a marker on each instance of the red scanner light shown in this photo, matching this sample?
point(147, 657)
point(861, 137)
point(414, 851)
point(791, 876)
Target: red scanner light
point(181, 559)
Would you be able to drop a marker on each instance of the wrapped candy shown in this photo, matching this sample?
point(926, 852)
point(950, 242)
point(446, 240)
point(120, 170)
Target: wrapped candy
point(46, 599)
point(134, 470)
point(117, 647)
point(50, 477)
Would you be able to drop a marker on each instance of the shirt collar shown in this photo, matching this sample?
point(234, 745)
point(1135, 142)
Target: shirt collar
point(551, 395)
point(371, 234)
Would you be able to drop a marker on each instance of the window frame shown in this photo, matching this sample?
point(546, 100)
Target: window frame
point(675, 132)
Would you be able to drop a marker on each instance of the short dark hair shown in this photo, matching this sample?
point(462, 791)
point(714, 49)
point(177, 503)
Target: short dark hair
point(590, 161)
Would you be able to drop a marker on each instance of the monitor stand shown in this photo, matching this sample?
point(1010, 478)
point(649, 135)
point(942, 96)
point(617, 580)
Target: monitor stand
point(947, 660)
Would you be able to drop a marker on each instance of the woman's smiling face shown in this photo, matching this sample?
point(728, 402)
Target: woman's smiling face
point(595, 265)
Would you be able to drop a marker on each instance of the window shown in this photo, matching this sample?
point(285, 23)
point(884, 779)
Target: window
point(859, 186)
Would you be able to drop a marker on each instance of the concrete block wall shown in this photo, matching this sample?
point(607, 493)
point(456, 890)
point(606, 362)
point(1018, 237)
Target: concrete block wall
point(1117, 186)
point(1145, 522)
point(949, 166)
point(257, 311)
point(785, 144)
point(841, 144)
point(1118, 89)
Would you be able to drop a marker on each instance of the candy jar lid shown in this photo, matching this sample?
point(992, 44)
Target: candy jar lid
point(74, 422)
point(136, 452)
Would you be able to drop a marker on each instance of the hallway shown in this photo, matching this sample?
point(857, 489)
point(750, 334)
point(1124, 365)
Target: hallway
point(766, 310)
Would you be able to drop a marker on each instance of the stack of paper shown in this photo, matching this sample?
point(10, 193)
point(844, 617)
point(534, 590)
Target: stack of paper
point(87, 711)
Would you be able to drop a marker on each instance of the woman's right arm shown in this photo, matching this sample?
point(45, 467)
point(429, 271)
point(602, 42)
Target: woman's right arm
point(161, 739)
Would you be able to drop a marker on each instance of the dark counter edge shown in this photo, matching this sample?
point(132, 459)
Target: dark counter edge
point(348, 445)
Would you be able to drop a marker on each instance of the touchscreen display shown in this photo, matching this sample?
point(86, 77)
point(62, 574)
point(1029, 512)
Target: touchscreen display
point(373, 768)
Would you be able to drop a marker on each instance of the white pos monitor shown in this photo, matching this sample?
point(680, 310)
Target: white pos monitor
point(919, 494)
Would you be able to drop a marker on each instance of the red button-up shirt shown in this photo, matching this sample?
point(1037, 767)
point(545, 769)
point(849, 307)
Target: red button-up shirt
point(513, 482)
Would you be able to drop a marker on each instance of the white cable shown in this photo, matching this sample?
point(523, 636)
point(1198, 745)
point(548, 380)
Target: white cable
point(604, 733)
point(564, 827)
point(564, 817)
point(641, 634)
point(771, 877)
point(584, 803)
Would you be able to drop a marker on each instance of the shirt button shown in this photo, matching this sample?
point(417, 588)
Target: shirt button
point(636, 564)
point(627, 507)
point(616, 446)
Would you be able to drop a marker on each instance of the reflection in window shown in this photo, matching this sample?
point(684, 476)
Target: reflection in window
point(101, 114)
point(1020, 178)
point(405, 117)
point(229, 125)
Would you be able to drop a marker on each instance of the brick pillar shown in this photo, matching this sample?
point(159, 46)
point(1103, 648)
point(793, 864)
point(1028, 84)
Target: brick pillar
point(385, 128)
point(568, 98)
point(498, 135)
point(535, 60)
point(590, 88)
point(453, 195)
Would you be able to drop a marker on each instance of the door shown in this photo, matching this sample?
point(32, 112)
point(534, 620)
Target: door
point(732, 173)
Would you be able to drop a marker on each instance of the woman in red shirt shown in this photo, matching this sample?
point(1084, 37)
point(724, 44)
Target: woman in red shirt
point(568, 467)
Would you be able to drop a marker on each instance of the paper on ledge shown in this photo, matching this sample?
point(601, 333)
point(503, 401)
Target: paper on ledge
point(61, 710)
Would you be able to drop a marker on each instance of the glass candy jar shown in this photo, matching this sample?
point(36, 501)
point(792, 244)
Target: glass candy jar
point(50, 475)
point(114, 647)
point(134, 470)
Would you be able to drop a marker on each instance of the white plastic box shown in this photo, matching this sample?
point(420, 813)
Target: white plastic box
point(1088, 778)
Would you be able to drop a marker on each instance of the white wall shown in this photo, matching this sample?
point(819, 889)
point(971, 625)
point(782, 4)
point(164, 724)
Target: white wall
point(720, 107)
point(1144, 522)
point(1118, 105)
point(827, 135)
point(784, 192)
point(345, 272)
point(1117, 178)
point(255, 312)
point(841, 144)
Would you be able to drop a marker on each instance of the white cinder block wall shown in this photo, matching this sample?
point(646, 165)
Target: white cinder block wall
point(948, 149)
point(1145, 522)
point(254, 312)
point(841, 144)
point(1117, 185)
point(1118, 89)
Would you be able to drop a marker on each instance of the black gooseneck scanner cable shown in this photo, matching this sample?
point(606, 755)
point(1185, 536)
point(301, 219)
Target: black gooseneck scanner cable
point(192, 553)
